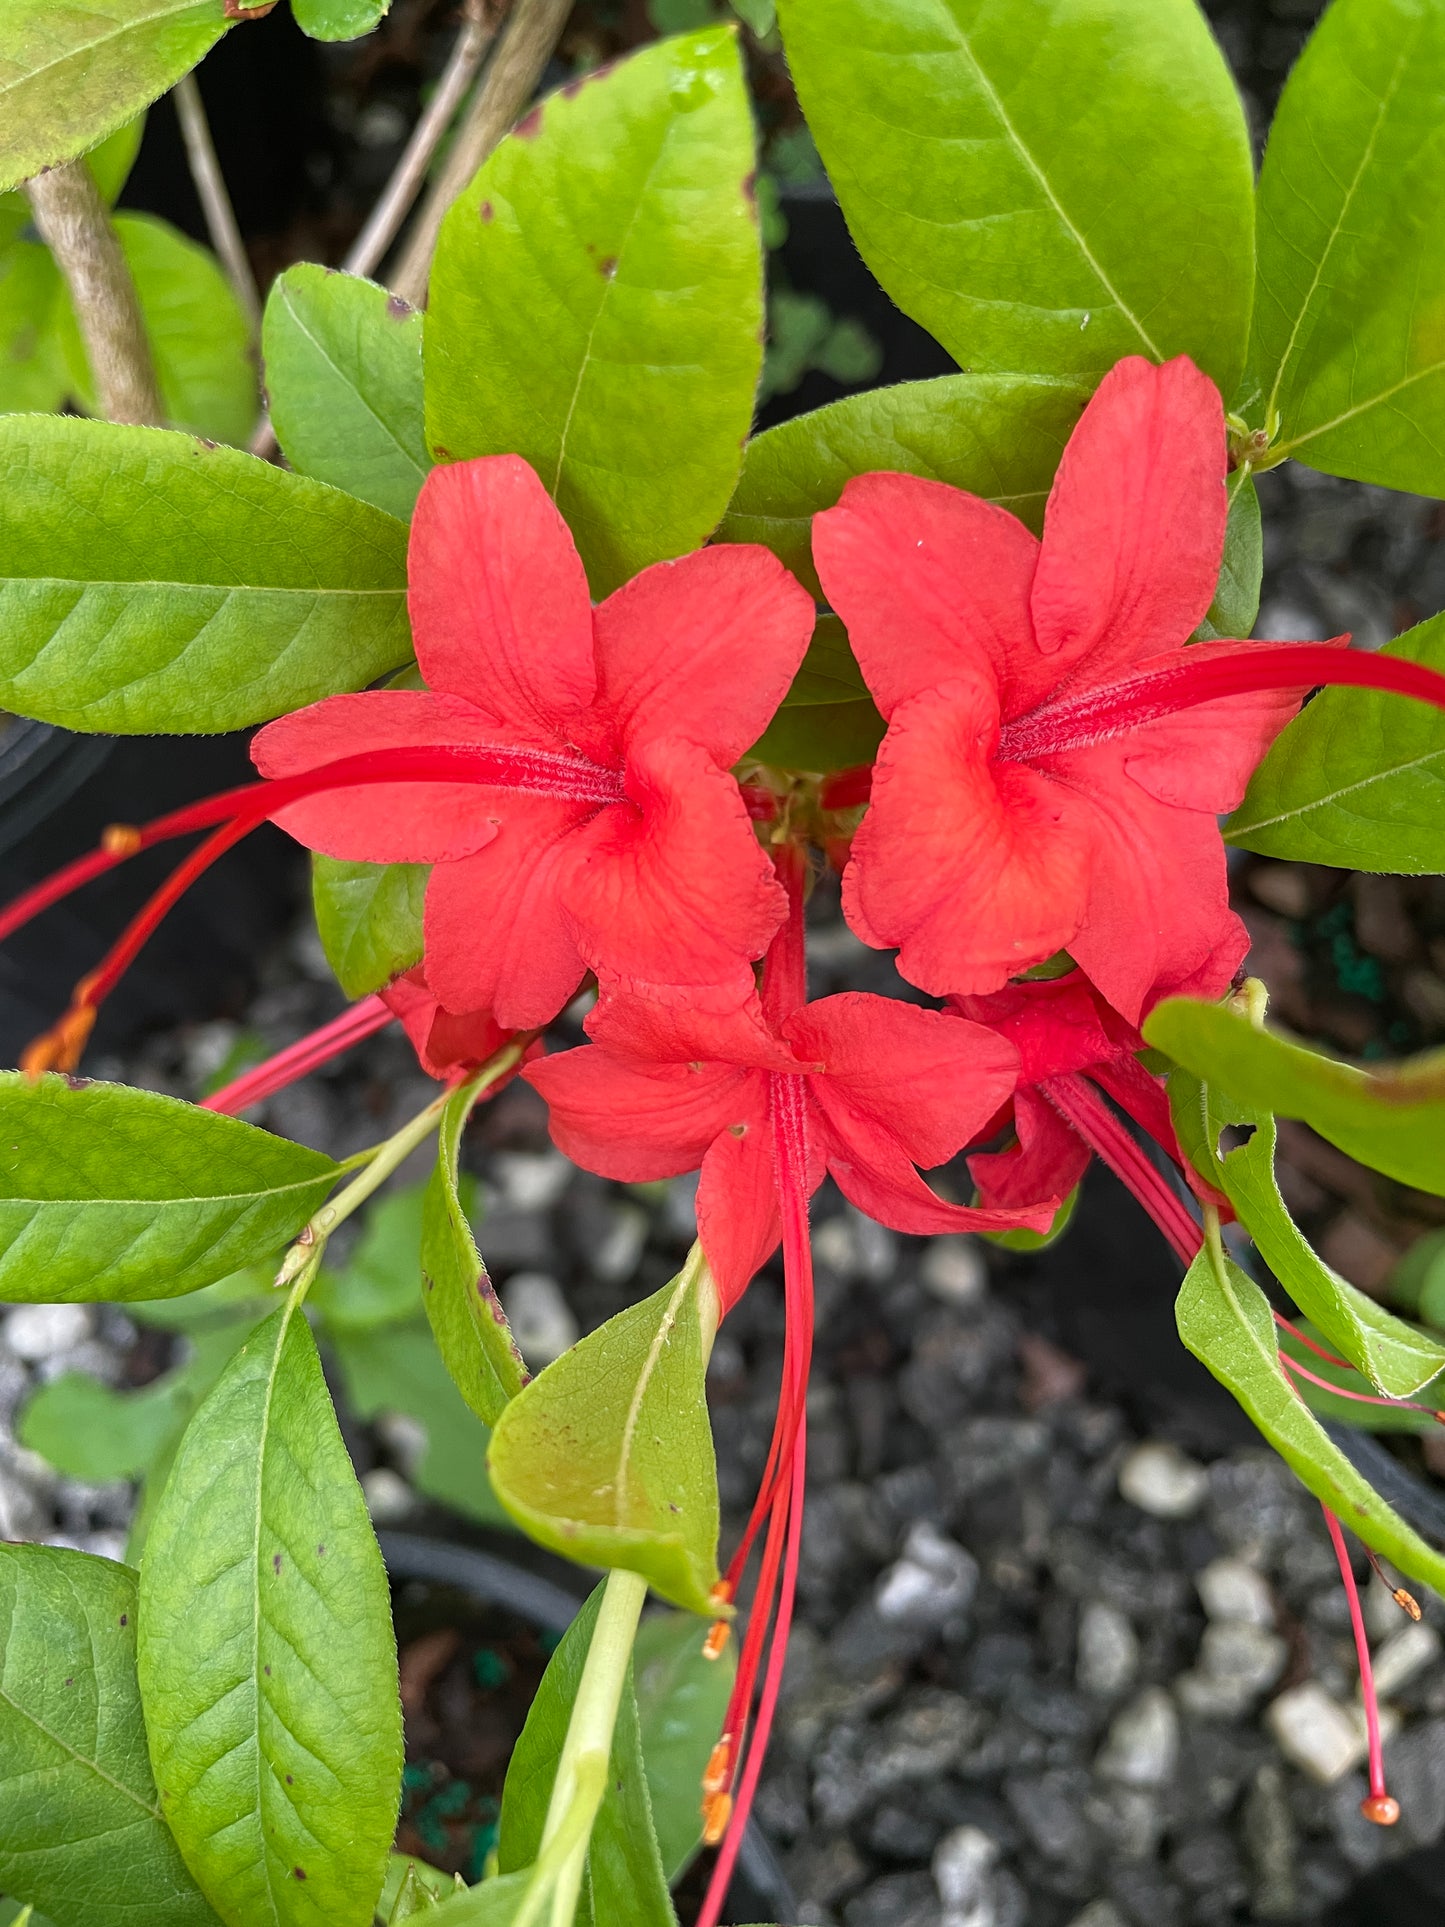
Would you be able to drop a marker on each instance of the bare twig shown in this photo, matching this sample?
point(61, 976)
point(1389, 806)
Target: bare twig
point(75, 225)
point(215, 201)
point(516, 67)
point(478, 32)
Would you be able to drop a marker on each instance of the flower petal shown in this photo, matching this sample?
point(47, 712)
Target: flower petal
point(738, 1221)
point(885, 1185)
point(930, 582)
point(1134, 529)
point(1048, 1160)
point(1158, 897)
point(441, 1040)
point(497, 934)
point(498, 597)
point(922, 1081)
point(675, 891)
point(638, 1122)
point(976, 871)
point(410, 822)
point(713, 1026)
point(704, 647)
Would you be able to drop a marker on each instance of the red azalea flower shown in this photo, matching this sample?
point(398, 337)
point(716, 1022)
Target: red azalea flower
point(1064, 1033)
point(883, 1087)
point(606, 831)
point(445, 1043)
point(1034, 793)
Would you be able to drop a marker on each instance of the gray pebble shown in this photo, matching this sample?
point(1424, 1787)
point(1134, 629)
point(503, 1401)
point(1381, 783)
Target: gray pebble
point(34, 1332)
point(1142, 1747)
point(1108, 1650)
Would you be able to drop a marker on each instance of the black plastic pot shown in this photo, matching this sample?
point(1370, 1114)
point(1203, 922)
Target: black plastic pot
point(759, 1890)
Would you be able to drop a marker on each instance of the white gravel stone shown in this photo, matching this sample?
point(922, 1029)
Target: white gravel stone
point(1159, 1479)
point(954, 1270)
point(1099, 1913)
point(1142, 1744)
point(1237, 1662)
point(531, 1180)
point(1231, 1590)
point(405, 1438)
point(1403, 1655)
point(1108, 1650)
point(835, 1248)
point(1318, 1734)
point(388, 1496)
point(620, 1251)
point(962, 1862)
point(934, 1580)
point(542, 1321)
point(33, 1332)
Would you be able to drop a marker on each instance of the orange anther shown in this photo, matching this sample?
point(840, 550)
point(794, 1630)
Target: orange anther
point(716, 1812)
point(1407, 1602)
point(1381, 1809)
point(719, 1765)
point(121, 839)
point(59, 1048)
point(719, 1633)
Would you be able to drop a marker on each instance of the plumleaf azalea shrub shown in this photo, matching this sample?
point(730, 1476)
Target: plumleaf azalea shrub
point(574, 690)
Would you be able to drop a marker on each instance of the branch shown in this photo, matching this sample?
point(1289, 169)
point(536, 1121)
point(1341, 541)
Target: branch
point(215, 201)
point(477, 34)
point(75, 226)
point(525, 48)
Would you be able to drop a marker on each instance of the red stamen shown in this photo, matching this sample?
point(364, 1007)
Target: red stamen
point(1359, 1398)
point(318, 1047)
point(1320, 1351)
point(1074, 722)
point(848, 788)
point(1379, 1807)
point(1080, 1106)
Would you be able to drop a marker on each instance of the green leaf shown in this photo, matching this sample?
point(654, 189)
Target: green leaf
point(91, 1431)
point(113, 160)
point(607, 1456)
point(199, 333)
point(1046, 185)
point(70, 75)
point(343, 375)
point(828, 719)
point(596, 303)
point(1225, 1320)
point(398, 1369)
point(369, 919)
point(1394, 1356)
point(108, 1192)
point(409, 1881)
point(625, 1877)
point(148, 582)
point(1391, 1120)
point(1235, 608)
point(466, 1315)
point(682, 1697)
point(338, 19)
point(34, 373)
point(267, 1661)
point(81, 1832)
point(999, 436)
point(1349, 331)
point(1357, 779)
point(493, 1904)
point(1342, 1410)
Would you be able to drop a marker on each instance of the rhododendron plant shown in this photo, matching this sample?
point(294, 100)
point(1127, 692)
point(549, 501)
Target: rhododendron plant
point(581, 743)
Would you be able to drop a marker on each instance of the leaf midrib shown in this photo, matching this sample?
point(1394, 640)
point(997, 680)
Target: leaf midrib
point(92, 1766)
point(1025, 154)
point(209, 588)
point(86, 49)
point(1347, 789)
point(634, 1410)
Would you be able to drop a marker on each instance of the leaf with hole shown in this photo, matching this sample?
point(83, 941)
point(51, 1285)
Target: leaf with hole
point(1392, 1120)
point(466, 1315)
point(149, 582)
point(1396, 1358)
point(625, 1878)
point(1046, 186)
point(596, 302)
point(368, 916)
point(343, 376)
point(1348, 351)
point(81, 1831)
point(1357, 779)
point(109, 1192)
point(70, 75)
point(267, 1661)
point(1225, 1320)
point(607, 1456)
point(998, 436)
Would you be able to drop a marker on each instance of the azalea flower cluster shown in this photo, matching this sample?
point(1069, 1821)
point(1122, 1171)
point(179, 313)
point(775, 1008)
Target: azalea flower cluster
point(1037, 840)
